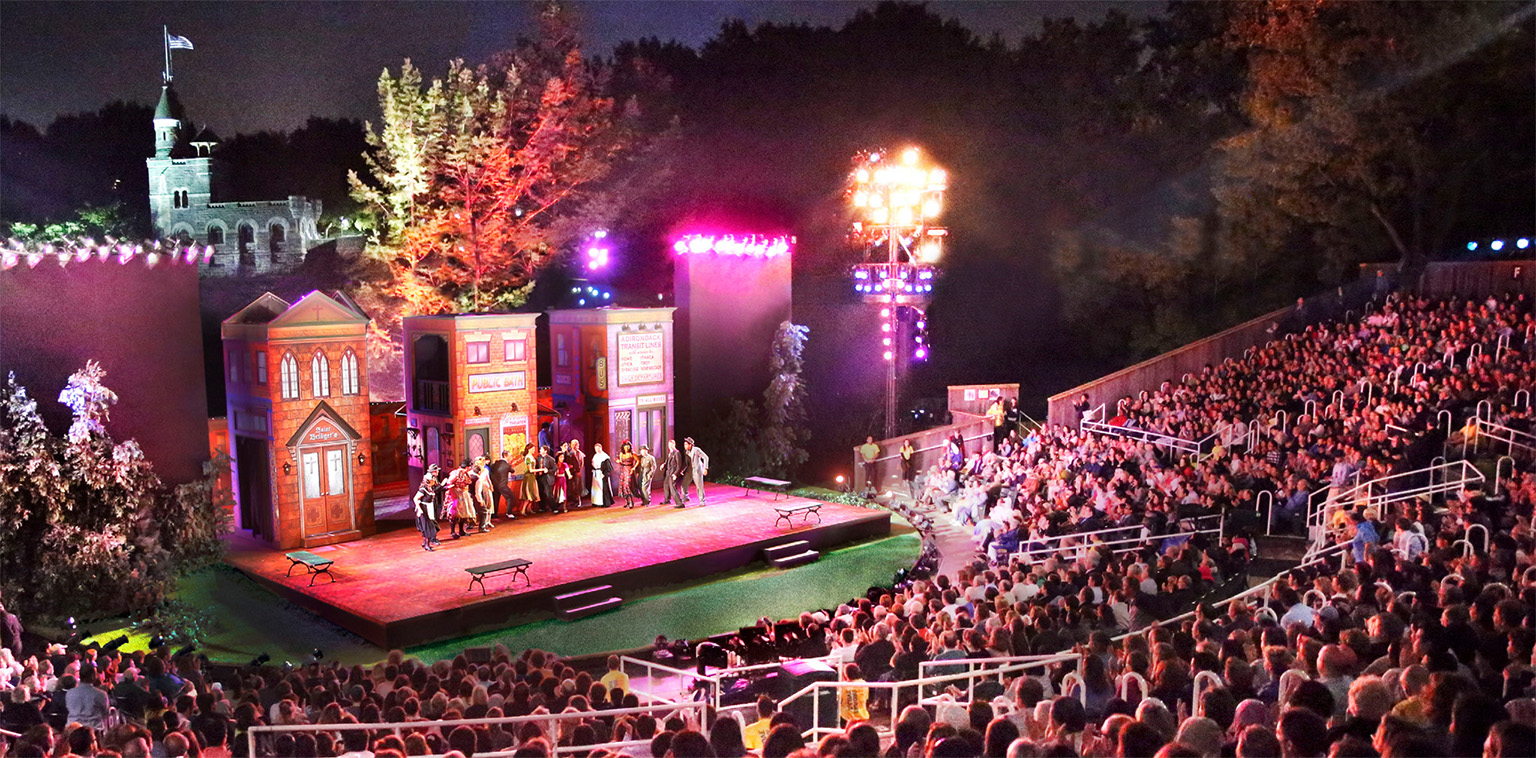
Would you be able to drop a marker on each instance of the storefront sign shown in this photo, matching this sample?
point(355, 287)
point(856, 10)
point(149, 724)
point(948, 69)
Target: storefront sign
point(645, 400)
point(323, 431)
point(506, 380)
point(642, 358)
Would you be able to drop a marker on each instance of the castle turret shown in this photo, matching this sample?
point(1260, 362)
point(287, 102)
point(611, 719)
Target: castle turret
point(168, 117)
point(246, 236)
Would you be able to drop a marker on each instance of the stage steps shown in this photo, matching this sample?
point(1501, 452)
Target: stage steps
point(790, 554)
point(587, 602)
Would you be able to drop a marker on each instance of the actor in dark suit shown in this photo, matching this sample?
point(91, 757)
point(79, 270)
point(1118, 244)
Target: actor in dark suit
point(671, 469)
point(501, 474)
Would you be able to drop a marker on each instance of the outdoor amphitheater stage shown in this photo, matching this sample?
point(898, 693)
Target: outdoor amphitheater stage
point(395, 595)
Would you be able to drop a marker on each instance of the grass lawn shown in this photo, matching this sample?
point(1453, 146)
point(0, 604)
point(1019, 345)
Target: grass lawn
point(249, 620)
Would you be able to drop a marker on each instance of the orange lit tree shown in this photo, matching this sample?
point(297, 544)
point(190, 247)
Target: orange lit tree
point(477, 180)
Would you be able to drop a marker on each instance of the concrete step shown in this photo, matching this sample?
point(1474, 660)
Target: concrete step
point(786, 548)
point(590, 609)
point(1278, 546)
point(790, 561)
point(582, 596)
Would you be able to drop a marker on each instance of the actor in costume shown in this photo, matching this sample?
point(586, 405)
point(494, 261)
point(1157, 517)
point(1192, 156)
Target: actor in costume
point(531, 499)
point(645, 469)
point(457, 506)
point(501, 485)
point(602, 472)
point(697, 468)
point(562, 481)
point(671, 469)
point(546, 472)
point(485, 494)
point(624, 486)
point(578, 472)
point(426, 509)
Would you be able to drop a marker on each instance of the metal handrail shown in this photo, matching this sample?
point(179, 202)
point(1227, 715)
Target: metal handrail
point(1512, 437)
point(652, 666)
point(1486, 538)
point(1212, 680)
point(814, 689)
point(414, 726)
point(1082, 539)
point(1498, 471)
point(1127, 678)
point(1319, 513)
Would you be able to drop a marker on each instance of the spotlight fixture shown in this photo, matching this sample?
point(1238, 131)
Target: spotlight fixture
point(1496, 245)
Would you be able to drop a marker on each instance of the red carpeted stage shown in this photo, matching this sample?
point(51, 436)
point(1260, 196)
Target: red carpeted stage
point(392, 593)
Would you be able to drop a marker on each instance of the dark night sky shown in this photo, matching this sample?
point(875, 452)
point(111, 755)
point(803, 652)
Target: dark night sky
point(269, 65)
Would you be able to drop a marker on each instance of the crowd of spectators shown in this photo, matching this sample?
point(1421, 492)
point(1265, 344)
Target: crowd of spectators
point(1415, 642)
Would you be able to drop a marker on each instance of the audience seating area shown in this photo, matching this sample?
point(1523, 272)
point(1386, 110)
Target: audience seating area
point(1109, 609)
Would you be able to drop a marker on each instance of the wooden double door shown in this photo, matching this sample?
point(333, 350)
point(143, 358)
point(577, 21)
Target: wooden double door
point(327, 490)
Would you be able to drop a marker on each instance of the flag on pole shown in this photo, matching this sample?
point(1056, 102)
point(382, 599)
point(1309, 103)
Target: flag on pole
point(178, 42)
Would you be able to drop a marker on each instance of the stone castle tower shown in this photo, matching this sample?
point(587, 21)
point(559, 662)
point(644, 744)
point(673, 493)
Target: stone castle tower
point(247, 237)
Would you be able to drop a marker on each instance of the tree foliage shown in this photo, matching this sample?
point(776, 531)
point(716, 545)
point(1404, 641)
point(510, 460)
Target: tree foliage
point(784, 427)
point(1362, 132)
point(769, 438)
point(478, 179)
point(90, 529)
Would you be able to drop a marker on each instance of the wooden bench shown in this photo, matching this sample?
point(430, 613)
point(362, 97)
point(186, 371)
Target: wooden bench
point(518, 567)
point(314, 564)
point(778, 487)
point(804, 509)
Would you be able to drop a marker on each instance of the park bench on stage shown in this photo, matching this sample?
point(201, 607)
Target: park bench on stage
point(805, 510)
point(314, 564)
point(518, 567)
point(778, 487)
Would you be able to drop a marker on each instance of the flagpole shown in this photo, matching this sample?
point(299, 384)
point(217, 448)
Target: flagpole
point(165, 37)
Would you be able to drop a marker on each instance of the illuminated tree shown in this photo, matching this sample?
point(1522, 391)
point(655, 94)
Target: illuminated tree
point(478, 179)
point(91, 531)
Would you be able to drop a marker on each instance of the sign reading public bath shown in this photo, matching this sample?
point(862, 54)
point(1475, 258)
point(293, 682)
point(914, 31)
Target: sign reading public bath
point(642, 358)
point(506, 380)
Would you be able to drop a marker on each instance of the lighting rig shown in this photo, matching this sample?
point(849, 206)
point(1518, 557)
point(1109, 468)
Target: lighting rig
point(897, 201)
point(588, 289)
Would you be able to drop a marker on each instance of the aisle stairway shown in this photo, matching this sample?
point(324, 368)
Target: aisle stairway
point(953, 539)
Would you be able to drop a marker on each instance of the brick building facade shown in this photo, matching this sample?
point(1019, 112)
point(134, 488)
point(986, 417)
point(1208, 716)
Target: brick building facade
point(471, 387)
point(247, 237)
point(296, 382)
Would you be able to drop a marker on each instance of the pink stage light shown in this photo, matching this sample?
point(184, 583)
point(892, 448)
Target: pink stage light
point(747, 246)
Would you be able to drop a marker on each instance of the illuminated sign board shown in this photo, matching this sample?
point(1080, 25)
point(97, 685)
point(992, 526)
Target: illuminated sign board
point(506, 380)
point(745, 246)
point(642, 358)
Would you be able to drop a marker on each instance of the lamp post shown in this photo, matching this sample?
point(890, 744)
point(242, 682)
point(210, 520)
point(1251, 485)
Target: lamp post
point(897, 200)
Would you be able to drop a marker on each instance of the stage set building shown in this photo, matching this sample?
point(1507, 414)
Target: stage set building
point(612, 375)
point(471, 387)
point(295, 377)
point(246, 237)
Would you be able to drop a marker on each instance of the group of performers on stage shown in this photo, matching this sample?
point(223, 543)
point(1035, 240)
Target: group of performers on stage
point(469, 496)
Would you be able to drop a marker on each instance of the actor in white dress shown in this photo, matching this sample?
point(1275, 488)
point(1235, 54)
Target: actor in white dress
point(602, 473)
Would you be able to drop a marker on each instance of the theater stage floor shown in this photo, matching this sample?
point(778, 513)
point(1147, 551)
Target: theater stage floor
point(393, 594)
